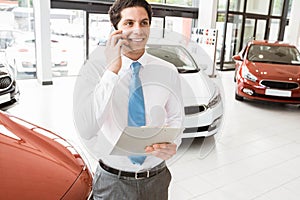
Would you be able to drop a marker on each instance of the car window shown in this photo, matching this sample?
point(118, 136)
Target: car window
point(273, 54)
point(176, 55)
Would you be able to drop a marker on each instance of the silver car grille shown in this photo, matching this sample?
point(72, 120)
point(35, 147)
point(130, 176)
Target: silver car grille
point(5, 81)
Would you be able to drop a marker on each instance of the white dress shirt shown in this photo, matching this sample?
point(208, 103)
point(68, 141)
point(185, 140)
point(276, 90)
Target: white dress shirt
point(101, 104)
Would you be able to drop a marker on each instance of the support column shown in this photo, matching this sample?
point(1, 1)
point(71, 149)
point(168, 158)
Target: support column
point(43, 46)
point(207, 14)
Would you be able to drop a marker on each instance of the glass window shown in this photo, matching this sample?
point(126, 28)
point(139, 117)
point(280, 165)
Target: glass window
point(222, 5)
point(156, 1)
point(220, 28)
point(258, 6)
point(17, 40)
point(192, 3)
point(67, 41)
point(99, 30)
point(233, 35)
point(277, 7)
point(157, 25)
point(249, 30)
point(180, 25)
point(236, 34)
point(260, 29)
point(290, 8)
point(236, 5)
point(221, 17)
point(274, 29)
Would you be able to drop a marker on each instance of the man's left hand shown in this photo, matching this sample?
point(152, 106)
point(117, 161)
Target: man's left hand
point(163, 150)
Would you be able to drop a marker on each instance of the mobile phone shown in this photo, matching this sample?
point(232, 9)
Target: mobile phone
point(102, 41)
point(112, 29)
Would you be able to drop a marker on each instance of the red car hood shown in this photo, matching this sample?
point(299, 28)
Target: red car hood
point(274, 71)
point(34, 165)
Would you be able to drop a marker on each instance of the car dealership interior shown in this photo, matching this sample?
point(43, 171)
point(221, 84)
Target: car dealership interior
point(239, 59)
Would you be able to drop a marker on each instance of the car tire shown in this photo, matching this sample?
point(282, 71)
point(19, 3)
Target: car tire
point(234, 78)
point(238, 97)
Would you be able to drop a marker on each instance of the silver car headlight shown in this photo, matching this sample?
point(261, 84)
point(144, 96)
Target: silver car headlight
point(247, 75)
point(216, 99)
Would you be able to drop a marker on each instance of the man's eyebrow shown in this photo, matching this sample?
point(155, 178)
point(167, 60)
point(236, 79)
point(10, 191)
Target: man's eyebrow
point(145, 19)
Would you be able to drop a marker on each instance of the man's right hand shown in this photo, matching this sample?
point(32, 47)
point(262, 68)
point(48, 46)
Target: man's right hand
point(113, 50)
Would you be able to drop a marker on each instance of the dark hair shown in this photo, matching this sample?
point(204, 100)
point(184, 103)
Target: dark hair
point(117, 7)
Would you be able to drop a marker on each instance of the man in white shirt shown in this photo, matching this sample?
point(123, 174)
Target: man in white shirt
point(101, 98)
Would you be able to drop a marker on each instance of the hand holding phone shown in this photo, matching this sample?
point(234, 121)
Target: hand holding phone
point(113, 50)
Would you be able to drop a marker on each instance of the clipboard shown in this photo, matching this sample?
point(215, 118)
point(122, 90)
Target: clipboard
point(134, 139)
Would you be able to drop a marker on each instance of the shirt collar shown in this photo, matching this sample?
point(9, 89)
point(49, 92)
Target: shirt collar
point(127, 61)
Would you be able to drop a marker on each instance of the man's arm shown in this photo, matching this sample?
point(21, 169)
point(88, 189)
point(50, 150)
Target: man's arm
point(95, 84)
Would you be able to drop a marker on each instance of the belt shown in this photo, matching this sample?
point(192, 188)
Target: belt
point(137, 175)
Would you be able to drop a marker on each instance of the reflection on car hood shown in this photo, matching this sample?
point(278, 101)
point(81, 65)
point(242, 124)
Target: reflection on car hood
point(34, 166)
point(197, 88)
point(271, 71)
point(3, 69)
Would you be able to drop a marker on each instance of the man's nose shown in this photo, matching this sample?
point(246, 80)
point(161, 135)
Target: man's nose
point(137, 27)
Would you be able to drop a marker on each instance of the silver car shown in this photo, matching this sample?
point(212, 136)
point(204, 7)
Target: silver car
point(202, 99)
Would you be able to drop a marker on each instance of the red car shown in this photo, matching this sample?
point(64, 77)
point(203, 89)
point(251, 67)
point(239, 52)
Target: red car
point(268, 71)
point(38, 164)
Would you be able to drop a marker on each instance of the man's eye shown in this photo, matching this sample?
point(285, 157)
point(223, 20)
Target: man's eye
point(145, 23)
point(129, 23)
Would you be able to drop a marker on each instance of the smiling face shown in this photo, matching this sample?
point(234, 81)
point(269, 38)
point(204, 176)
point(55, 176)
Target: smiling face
point(135, 22)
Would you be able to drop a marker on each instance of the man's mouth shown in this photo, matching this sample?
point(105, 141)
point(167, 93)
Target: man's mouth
point(136, 39)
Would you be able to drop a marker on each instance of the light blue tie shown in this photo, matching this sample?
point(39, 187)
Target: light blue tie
point(136, 106)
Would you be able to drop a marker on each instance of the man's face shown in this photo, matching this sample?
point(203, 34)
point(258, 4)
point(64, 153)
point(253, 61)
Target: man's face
point(135, 22)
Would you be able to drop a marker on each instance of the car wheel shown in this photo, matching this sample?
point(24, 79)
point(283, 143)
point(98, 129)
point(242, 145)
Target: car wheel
point(234, 78)
point(238, 97)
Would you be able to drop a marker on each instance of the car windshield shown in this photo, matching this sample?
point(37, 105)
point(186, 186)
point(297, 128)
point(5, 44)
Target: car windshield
point(176, 55)
point(274, 54)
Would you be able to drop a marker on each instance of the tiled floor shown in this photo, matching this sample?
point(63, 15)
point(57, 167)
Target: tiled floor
point(255, 156)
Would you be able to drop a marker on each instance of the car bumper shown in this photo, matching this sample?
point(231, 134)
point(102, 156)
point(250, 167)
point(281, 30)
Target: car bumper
point(256, 92)
point(81, 188)
point(203, 124)
point(9, 97)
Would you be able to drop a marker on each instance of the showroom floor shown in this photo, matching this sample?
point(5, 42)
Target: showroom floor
point(256, 155)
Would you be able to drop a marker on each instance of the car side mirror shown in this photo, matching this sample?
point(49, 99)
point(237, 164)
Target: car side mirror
point(237, 58)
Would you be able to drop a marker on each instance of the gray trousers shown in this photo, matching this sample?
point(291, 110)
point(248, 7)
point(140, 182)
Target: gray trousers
point(107, 186)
